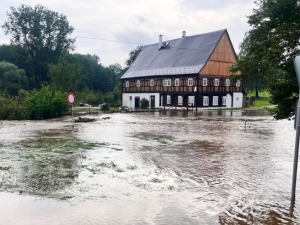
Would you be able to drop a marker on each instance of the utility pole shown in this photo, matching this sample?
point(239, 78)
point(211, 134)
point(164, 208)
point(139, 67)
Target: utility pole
point(297, 127)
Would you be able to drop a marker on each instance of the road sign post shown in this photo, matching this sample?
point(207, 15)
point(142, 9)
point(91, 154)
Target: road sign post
point(297, 127)
point(71, 100)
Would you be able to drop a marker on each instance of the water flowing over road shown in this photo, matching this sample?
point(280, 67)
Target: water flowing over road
point(172, 167)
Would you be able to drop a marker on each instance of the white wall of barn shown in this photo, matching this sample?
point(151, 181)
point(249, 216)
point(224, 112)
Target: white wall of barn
point(130, 104)
point(237, 99)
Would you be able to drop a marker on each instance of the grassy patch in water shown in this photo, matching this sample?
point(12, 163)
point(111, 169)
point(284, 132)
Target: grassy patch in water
point(162, 142)
point(117, 149)
point(120, 170)
point(156, 180)
point(131, 167)
point(108, 165)
point(29, 156)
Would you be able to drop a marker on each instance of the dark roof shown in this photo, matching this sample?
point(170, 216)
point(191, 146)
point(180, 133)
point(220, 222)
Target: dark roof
point(186, 55)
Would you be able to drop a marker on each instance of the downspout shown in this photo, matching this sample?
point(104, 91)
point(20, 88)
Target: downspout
point(198, 86)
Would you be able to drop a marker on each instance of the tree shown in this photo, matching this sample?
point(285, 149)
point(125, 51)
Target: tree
point(43, 32)
point(250, 66)
point(67, 76)
point(132, 56)
point(12, 79)
point(275, 35)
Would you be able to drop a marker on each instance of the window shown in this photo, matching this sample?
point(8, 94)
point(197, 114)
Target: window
point(238, 83)
point(151, 82)
point(227, 82)
point(167, 83)
point(205, 100)
point(215, 100)
point(138, 83)
point(130, 98)
point(180, 100)
point(168, 99)
point(127, 84)
point(216, 82)
point(204, 81)
point(191, 100)
point(177, 82)
point(224, 100)
point(190, 82)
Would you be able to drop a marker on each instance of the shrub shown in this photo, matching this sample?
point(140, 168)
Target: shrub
point(105, 107)
point(144, 103)
point(46, 104)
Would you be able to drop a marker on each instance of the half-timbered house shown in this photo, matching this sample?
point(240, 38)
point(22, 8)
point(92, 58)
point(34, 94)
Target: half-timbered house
point(189, 71)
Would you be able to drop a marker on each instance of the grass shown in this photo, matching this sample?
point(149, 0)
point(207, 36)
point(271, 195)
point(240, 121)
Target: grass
point(117, 149)
point(264, 98)
point(107, 165)
point(162, 142)
point(120, 170)
point(29, 156)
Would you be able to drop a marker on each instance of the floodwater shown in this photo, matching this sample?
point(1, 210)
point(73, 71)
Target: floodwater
point(169, 167)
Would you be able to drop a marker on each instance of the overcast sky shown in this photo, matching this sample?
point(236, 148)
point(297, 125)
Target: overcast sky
point(141, 21)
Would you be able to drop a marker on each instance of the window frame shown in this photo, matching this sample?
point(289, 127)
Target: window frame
point(224, 98)
point(238, 83)
point(177, 80)
point(151, 82)
point(127, 84)
point(217, 98)
point(180, 102)
point(138, 83)
point(227, 82)
point(168, 99)
point(169, 82)
point(190, 79)
point(216, 79)
point(205, 97)
point(193, 100)
point(204, 79)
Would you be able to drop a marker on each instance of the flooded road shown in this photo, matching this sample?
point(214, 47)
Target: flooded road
point(149, 168)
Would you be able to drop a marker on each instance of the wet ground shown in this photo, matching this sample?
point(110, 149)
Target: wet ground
point(149, 168)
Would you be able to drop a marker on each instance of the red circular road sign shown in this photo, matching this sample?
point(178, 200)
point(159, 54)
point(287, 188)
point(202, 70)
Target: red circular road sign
point(71, 98)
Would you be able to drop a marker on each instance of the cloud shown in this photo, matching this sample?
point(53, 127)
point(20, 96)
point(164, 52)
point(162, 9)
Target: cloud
point(141, 21)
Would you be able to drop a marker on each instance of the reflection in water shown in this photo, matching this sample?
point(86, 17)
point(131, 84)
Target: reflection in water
point(168, 167)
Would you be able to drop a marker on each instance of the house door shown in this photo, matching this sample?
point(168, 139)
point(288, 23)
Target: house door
point(152, 101)
point(137, 102)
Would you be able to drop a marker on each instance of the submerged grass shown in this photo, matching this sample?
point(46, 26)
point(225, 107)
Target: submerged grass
point(117, 149)
point(29, 156)
point(163, 142)
point(108, 165)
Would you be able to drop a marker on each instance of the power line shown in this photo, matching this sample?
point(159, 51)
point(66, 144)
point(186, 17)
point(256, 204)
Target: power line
point(128, 42)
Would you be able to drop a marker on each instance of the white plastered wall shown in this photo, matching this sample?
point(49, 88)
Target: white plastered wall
point(130, 104)
point(237, 99)
point(228, 101)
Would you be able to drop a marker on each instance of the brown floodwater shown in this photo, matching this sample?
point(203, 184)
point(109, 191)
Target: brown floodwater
point(170, 167)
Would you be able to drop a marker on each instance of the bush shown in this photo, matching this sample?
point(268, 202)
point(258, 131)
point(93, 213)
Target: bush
point(105, 107)
point(46, 104)
point(144, 103)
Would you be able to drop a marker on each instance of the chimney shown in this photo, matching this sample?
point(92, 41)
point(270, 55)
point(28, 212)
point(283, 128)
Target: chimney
point(160, 42)
point(183, 34)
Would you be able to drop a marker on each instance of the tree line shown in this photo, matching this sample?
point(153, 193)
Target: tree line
point(39, 58)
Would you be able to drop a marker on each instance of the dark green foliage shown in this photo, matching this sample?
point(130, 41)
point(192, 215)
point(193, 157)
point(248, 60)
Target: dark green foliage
point(43, 32)
point(46, 104)
point(13, 107)
point(67, 76)
point(144, 103)
point(105, 107)
point(12, 79)
point(20, 57)
point(132, 56)
point(272, 44)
